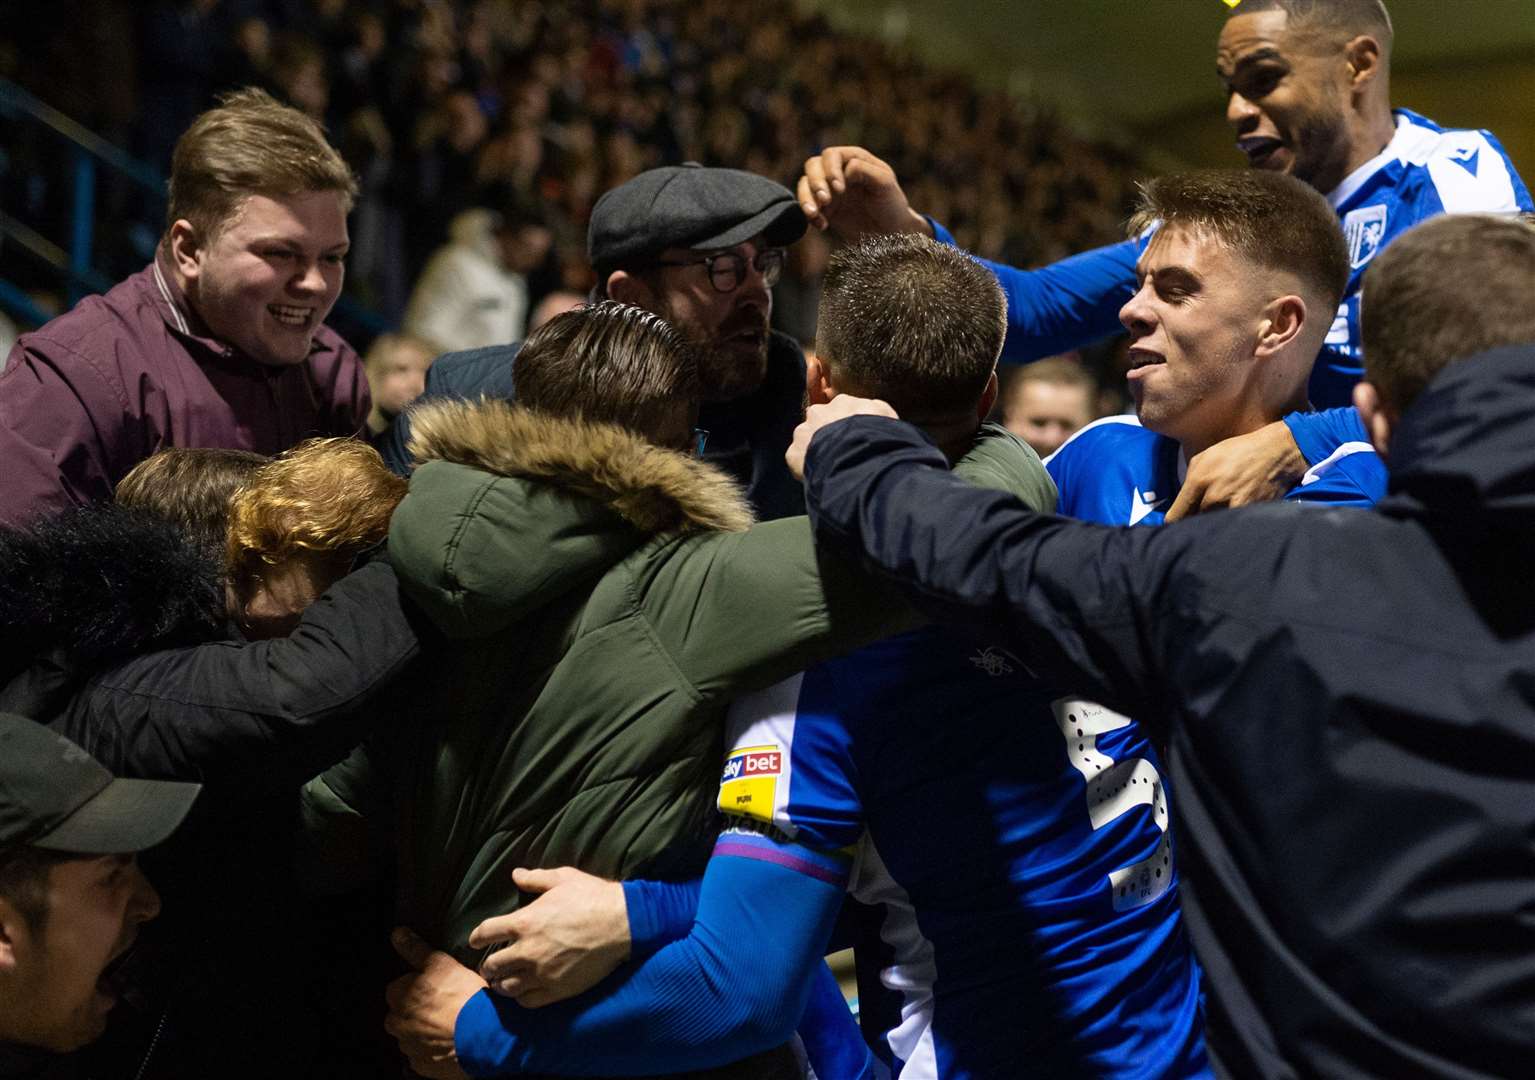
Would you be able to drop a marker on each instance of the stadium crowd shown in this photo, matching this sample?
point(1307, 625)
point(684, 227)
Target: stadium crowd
point(552, 706)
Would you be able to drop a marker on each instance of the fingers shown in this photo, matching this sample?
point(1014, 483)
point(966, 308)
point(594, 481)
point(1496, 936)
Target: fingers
point(412, 949)
point(809, 203)
point(495, 929)
point(539, 881)
point(505, 964)
point(1185, 504)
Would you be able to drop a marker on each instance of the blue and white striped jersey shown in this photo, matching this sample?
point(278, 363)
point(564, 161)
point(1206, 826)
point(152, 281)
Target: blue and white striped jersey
point(1007, 849)
point(1116, 472)
point(1425, 170)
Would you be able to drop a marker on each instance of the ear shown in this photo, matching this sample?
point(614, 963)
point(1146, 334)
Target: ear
point(13, 931)
point(818, 387)
point(628, 288)
point(184, 250)
point(988, 397)
point(1283, 321)
point(1378, 418)
point(1364, 61)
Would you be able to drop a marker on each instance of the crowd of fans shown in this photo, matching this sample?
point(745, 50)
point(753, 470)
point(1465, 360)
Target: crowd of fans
point(1090, 790)
point(537, 108)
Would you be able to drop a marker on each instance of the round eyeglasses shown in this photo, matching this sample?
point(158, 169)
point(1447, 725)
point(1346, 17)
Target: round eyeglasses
point(727, 269)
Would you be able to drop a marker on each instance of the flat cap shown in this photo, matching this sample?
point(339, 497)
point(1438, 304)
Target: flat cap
point(688, 206)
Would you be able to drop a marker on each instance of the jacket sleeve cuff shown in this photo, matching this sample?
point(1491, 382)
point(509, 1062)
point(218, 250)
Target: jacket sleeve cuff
point(942, 235)
point(483, 1044)
point(659, 912)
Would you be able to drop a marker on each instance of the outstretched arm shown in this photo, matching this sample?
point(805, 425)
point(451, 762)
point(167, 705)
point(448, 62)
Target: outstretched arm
point(1068, 304)
point(690, 1005)
point(295, 704)
point(1092, 606)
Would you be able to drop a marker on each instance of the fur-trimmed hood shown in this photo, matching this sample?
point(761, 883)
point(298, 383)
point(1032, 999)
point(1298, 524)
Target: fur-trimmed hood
point(654, 489)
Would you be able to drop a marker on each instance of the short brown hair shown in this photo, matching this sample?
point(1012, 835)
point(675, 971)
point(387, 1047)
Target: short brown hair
point(190, 487)
point(609, 362)
point(250, 144)
point(917, 323)
point(1445, 290)
point(329, 497)
point(1268, 218)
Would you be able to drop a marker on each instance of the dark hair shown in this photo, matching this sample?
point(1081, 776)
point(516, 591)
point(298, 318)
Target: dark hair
point(1268, 218)
point(24, 881)
point(1340, 18)
point(190, 487)
point(915, 322)
point(1445, 290)
point(611, 362)
point(250, 144)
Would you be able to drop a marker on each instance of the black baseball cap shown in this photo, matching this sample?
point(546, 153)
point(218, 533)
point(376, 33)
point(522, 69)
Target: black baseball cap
point(53, 795)
point(689, 206)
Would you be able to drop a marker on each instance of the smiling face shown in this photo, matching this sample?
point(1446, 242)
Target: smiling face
point(95, 907)
point(731, 329)
point(267, 280)
point(1288, 96)
point(1194, 323)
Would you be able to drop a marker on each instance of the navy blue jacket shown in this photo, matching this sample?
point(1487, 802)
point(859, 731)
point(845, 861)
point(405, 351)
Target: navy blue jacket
point(747, 437)
point(1348, 697)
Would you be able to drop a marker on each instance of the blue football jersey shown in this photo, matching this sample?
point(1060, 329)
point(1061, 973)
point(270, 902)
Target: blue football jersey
point(1425, 170)
point(1116, 472)
point(1007, 851)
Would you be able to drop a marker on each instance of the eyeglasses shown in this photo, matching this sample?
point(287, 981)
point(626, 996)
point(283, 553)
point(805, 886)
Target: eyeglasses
point(728, 268)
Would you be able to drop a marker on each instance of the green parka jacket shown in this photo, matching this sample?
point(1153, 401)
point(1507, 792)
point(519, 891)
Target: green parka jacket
point(605, 599)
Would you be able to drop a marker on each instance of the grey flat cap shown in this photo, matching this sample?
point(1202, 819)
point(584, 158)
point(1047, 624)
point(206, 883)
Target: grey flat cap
point(688, 206)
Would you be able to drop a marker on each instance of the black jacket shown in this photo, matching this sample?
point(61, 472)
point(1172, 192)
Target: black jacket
point(747, 437)
point(234, 959)
point(1349, 699)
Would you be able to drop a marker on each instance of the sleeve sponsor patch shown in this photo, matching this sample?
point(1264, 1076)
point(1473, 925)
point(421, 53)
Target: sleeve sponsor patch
point(749, 783)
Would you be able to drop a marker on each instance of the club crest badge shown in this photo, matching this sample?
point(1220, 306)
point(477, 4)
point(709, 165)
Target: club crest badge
point(1364, 229)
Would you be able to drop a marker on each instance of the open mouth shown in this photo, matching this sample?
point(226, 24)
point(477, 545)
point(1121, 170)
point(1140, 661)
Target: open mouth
point(1260, 149)
point(117, 978)
point(296, 317)
point(1142, 358)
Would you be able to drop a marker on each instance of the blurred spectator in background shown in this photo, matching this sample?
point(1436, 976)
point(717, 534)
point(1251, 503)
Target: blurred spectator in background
point(474, 291)
point(396, 365)
point(1043, 403)
point(484, 103)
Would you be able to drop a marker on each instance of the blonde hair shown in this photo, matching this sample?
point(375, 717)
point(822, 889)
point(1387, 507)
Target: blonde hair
point(327, 497)
point(251, 144)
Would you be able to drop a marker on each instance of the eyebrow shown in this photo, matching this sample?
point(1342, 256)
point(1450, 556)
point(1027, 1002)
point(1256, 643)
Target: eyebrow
point(1170, 275)
point(1267, 52)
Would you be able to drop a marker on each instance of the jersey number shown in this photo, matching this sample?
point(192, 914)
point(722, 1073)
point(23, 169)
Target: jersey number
point(1113, 788)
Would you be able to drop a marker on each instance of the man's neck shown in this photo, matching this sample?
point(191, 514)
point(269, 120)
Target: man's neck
point(954, 437)
point(1373, 132)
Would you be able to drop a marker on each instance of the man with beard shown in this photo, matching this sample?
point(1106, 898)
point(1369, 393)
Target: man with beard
point(1308, 93)
point(703, 248)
